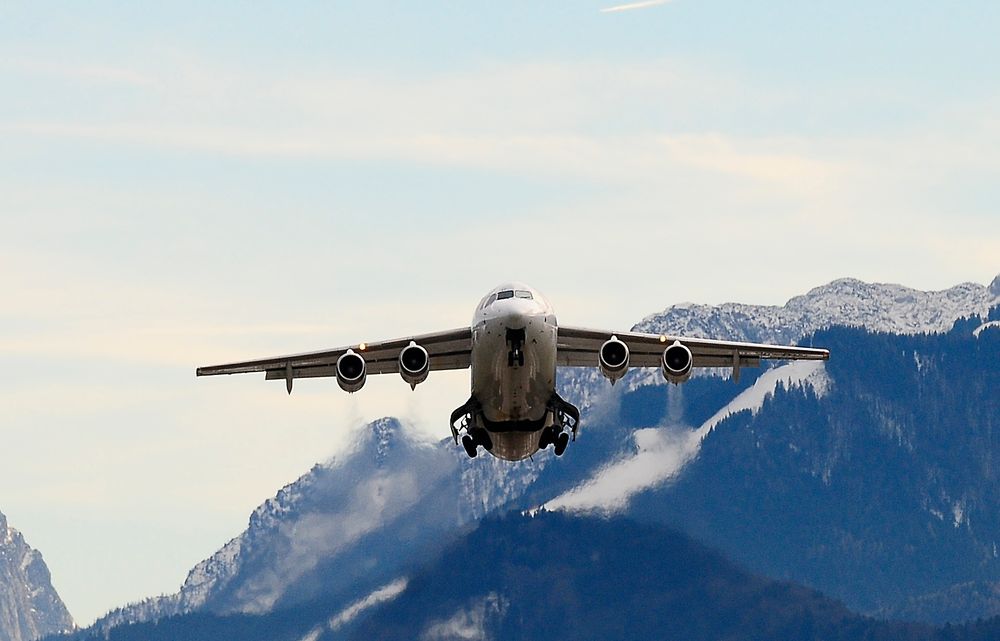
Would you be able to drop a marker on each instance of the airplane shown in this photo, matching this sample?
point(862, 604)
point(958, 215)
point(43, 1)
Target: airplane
point(513, 348)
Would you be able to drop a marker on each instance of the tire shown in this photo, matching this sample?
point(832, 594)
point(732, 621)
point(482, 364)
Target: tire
point(470, 446)
point(561, 442)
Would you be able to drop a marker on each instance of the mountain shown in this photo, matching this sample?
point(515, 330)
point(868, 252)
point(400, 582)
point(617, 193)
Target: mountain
point(344, 528)
point(555, 576)
point(360, 523)
point(847, 302)
point(29, 606)
point(877, 307)
point(875, 482)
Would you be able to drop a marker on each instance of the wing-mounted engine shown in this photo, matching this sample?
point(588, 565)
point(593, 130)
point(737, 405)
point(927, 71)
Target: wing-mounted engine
point(351, 372)
point(414, 364)
point(677, 362)
point(613, 359)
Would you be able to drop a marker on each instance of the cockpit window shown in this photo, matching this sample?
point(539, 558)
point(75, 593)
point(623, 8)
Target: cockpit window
point(523, 293)
point(489, 301)
point(507, 293)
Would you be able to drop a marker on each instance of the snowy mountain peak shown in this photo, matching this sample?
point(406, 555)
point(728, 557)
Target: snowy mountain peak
point(29, 606)
point(385, 432)
point(878, 307)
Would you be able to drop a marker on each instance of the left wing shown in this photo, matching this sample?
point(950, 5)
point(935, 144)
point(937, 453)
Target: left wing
point(579, 347)
point(450, 349)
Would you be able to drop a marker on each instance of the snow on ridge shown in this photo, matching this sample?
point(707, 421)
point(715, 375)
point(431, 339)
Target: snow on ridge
point(881, 307)
point(876, 307)
point(979, 330)
point(468, 622)
point(379, 596)
point(662, 452)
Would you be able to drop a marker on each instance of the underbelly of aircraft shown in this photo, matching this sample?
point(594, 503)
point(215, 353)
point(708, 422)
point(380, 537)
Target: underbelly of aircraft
point(515, 445)
point(513, 380)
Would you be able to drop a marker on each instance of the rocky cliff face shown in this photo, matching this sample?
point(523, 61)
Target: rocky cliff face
point(29, 606)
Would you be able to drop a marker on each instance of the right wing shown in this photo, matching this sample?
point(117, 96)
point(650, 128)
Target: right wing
point(450, 349)
point(579, 347)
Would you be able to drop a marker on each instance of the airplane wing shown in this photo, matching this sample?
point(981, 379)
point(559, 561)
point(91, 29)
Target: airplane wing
point(450, 349)
point(579, 347)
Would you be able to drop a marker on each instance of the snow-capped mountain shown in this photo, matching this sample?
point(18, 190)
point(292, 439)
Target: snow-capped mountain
point(354, 524)
point(877, 307)
point(29, 606)
point(660, 452)
point(878, 486)
point(337, 531)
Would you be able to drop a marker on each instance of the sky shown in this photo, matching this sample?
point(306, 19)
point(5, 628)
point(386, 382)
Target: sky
point(188, 183)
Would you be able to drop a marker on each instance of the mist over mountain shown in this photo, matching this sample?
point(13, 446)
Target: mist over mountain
point(876, 459)
point(877, 489)
point(29, 606)
point(345, 527)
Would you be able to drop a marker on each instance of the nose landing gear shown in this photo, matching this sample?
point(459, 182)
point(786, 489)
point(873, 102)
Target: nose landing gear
point(515, 338)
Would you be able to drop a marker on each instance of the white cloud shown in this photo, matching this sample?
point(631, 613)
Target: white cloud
point(662, 452)
point(634, 5)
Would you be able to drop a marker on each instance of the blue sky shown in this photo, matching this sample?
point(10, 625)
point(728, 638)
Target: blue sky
point(182, 185)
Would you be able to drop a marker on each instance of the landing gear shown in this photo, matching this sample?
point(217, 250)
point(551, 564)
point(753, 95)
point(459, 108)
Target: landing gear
point(567, 417)
point(561, 442)
point(515, 338)
point(470, 446)
point(473, 438)
point(465, 419)
point(556, 437)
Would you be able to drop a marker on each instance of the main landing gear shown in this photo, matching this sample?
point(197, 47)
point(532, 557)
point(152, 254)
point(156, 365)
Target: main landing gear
point(462, 420)
point(467, 426)
point(567, 417)
point(474, 438)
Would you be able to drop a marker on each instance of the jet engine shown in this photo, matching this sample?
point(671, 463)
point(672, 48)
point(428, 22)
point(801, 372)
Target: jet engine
point(613, 359)
point(414, 364)
point(351, 371)
point(677, 362)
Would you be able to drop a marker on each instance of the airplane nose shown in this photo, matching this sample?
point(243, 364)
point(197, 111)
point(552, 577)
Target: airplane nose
point(513, 318)
point(515, 313)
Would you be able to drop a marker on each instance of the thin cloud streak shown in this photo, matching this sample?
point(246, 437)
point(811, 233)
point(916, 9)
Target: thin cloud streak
point(634, 5)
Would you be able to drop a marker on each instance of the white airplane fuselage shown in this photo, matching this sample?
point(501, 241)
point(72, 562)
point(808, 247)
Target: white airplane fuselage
point(514, 368)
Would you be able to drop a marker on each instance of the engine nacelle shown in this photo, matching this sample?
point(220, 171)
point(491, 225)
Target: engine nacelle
point(613, 359)
point(677, 362)
point(414, 364)
point(351, 372)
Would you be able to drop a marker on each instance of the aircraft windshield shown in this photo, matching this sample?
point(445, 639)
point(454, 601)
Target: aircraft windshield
point(523, 293)
point(507, 293)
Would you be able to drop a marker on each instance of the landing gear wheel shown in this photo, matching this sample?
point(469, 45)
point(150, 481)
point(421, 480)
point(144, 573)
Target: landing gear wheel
point(469, 445)
point(561, 442)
